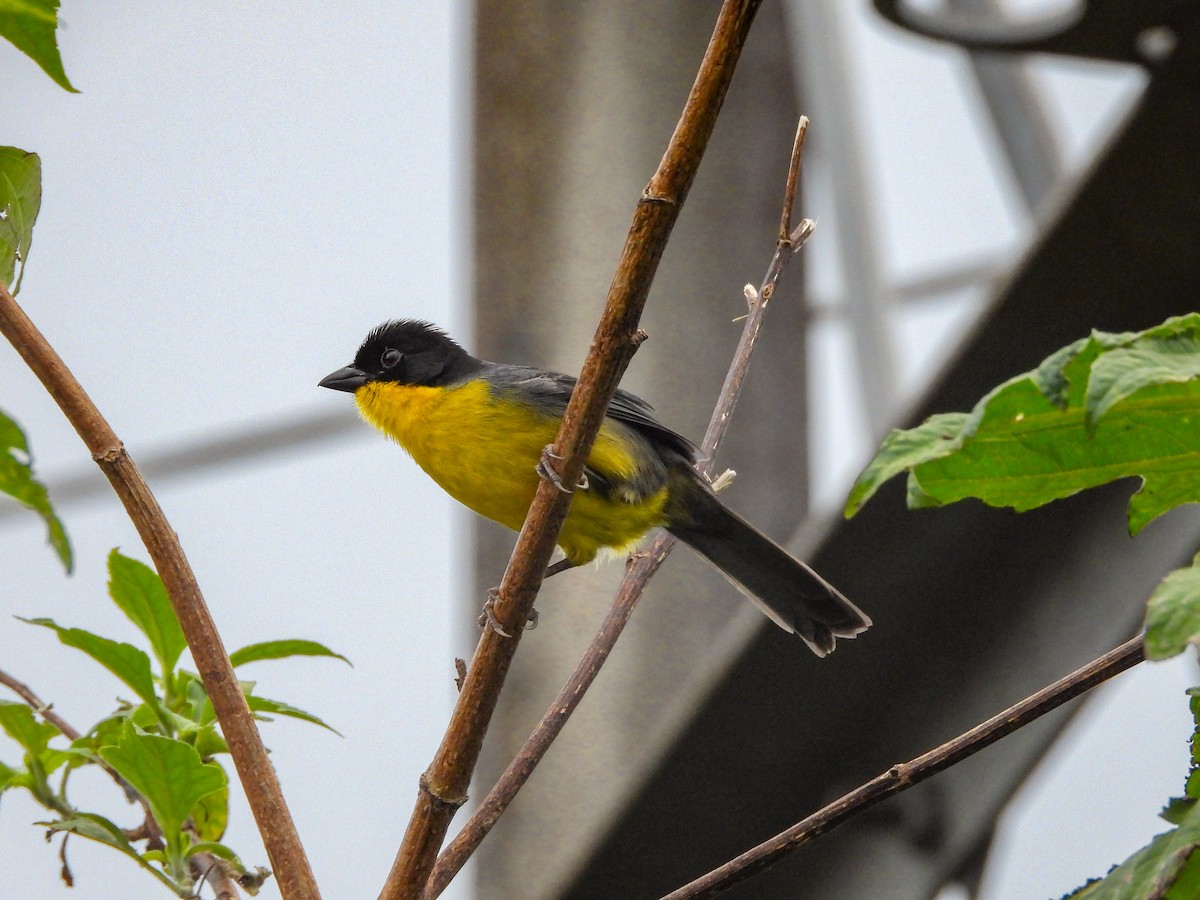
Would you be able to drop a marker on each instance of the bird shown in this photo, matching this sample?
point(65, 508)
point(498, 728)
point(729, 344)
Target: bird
point(482, 431)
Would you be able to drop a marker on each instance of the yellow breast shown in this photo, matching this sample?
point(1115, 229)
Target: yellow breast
point(483, 452)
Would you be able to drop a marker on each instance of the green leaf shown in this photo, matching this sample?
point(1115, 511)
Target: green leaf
point(281, 650)
point(167, 772)
point(1113, 406)
point(125, 661)
point(97, 828)
point(139, 592)
point(102, 733)
point(1173, 614)
point(211, 817)
point(1191, 787)
point(1177, 809)
point(9, 777)
point(16, 480)
point(1168, 867)
point(934, 438)
point(31, 26)
point(191, 689)
point(275, 707)
point(20, 201)
point(207, 740)
point(1167, 354)
point(19, 723)
point(216, 849)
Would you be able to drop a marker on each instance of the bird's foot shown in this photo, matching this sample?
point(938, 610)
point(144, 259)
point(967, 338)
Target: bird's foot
point(487, 618)
point(546, 469)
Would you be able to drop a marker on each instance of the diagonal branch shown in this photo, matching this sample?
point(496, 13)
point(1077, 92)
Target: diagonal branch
point(443, 786)
point(902, 776)
point(639, 570)
point(282, 842)
point(34, 702)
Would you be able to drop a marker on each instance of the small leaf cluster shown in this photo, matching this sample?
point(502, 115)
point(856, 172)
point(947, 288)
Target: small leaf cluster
point(1169, 866)
point(1106, 407)
point(161, 746)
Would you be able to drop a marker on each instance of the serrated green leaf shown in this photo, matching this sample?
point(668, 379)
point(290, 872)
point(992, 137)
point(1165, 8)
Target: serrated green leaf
point(1177, 809)
point(1191, 787)
point(901, 450)
point(210, 817)
point(139, 592)
point(20, 202)
point(1169, 353)
point(275, 707)
point(1168, 867)
point(281, 650)
point(167, 772)
point(31, 26)
point(1132, 411)
point(20, 724)
point(97, 828)
point(1194, 706)
point(16, 480)
point(125, 661)
point(1173, 613)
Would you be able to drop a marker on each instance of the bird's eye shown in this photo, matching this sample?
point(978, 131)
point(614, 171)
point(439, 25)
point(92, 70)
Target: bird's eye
point(391, 358)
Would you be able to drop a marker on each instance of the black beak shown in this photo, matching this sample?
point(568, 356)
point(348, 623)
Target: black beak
point(348, 379)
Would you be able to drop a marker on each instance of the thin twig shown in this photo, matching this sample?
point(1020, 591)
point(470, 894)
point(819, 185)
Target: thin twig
point(45, 710)
point(296, 881)
point(639, 570)
point(443, 786)
point(218, 873)
point(789, 191)
point(904, 775)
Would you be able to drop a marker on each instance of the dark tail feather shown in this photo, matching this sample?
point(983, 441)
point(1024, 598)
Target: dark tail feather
point(793, 595)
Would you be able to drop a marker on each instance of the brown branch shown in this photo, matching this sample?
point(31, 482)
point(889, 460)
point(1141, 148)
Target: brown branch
point(218, 873)
point(45, 710)
point(640, 568)
point(258, 777)
point(444, 784)
point(904, 775)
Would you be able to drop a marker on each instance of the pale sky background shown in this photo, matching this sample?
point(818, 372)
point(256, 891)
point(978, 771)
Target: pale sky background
point(239, 192)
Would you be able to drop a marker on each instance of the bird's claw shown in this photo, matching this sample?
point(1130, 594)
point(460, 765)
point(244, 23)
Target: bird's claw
point(546, 469)
point(487, 618)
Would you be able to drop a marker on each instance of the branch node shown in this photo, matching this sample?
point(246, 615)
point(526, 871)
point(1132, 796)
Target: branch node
point(638, 338)
point(110, 455)
point(650, 197)
point(440, 797)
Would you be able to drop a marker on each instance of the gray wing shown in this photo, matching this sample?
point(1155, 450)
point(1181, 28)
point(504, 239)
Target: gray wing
point(551, 391)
